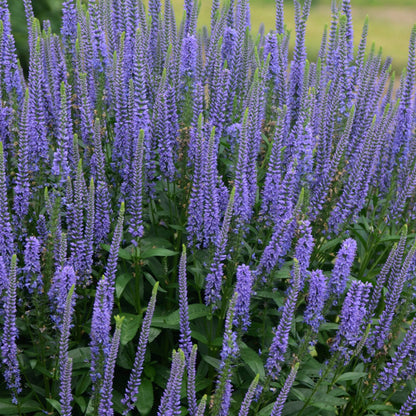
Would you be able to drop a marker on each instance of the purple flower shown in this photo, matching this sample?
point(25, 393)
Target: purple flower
point(280, 341)
point(4, 280)
point(382, 329)
point(9, 336)
point(185, 342)
point(213, 281)
point(135, 202)
point(242, 208)
point(281, 399)
point(77, 229)
point(132, 389)
point(189, 56)
point(352, 315)
point(316, 298)
point(303, 249)
point(191, 390)
point(201, 407)
point(105, 407)
point(279, 17)
point(342, 267)
point(62, 281)
point(65, 363)
point(6, 233)
point(65, 392)
point(390, 372)
point(102, 196)
point(244, 291)
point(248, 398)
point(32, 276)
point(229, 353)
point(22, 185)
point(170, 401)
point(408, 405)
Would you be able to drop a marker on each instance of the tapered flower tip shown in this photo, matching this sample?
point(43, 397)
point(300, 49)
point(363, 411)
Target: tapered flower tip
point(71, 291)
point(155, 288)
point(296, 263)
point(181, 355)
point(119, 321)
point(301, 199)
point(342, 19)
point(122, 207)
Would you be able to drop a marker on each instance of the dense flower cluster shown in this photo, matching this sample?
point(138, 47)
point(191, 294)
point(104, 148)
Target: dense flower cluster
point(266, 200)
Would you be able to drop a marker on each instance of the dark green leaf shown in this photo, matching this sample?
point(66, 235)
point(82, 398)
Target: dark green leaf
point(145, 398)
point(158, 252)
point(131, 324)
point(8, 408)
point(351, 376)
point(252, 359)
point(121, 283)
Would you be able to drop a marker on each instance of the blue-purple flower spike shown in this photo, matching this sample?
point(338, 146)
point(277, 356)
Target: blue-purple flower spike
point(281, 399)
point(229, 352)
point(6, 232)
point(408, 405)
point(353, 311)
point(316, 297)
point(10, 333)
point(248, 398)
point(342, 267)
point(132, 389)
point(170, 401)
point(32, 277)
point(214, 278)
point(280, 341)
point(65, 363)
point(105, 407)
point(185, 342)
point(245, 279)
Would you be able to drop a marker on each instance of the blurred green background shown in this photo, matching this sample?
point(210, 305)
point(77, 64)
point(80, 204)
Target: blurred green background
point(390, 21)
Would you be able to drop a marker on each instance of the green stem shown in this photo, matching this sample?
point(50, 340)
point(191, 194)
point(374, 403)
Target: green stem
point(328, 369)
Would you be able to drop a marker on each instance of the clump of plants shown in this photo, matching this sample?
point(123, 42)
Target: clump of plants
point(200, 222)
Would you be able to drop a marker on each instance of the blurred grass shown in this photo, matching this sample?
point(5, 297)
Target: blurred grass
point(390, 22)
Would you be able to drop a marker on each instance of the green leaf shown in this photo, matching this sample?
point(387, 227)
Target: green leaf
point(123, 253)
point(129, 327)
point(81, 357)
point(292, 408)
point(8, 408)
point(158, 252)
point(152, 281)
point(121, 283)
point(82, 385)
point(153, 334)
point(381, 407)
point(266, 410)
point(55, 404)
point(196, 310)
point(80, 401)
point(329, 245)
point(351, 376)
point(252, 359)
point(145, 397)
point(215, 362)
